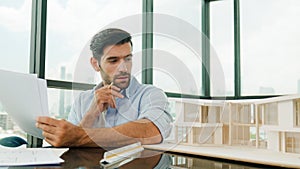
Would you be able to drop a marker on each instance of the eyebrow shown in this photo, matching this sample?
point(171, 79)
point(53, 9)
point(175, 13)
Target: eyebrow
point(116, 57)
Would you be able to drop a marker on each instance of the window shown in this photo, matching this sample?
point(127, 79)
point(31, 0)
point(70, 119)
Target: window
point(221, 38)
point(191, 112)
point(60, 102)
point(204, 114)
point(176, 53)
point(241, 135)
point(271, 114)
point(242, 114)
point(214, 114)
point(210, 114)
point(15, 20)
point(182, 133)
point(270, 46)
point(70, 26)
point(297, 112)
point(292, 142)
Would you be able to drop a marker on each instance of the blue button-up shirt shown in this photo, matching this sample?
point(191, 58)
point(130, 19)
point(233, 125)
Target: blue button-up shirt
point(140, 101)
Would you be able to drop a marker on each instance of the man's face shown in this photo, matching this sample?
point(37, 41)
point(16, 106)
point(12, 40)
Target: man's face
point(116, 64)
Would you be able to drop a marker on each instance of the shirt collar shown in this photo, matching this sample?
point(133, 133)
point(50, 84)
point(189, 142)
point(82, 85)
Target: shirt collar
point(98, 86)
point(132, 88)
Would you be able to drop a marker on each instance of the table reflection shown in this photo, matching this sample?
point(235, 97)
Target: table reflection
point(150, 159)
point(89, 158)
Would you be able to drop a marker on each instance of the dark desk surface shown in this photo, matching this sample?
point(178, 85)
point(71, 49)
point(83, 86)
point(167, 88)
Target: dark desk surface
point(89, 158)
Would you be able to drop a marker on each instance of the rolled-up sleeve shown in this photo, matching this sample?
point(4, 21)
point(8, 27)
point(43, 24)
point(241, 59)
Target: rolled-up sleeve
point(154, 107)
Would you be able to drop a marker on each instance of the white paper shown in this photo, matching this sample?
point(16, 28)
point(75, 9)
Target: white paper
point(43, 96)
point(24, 97)
point(30, 156)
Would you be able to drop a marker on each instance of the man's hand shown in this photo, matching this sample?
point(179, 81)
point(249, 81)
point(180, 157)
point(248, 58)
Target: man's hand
point(61, 133)
point(103, 98)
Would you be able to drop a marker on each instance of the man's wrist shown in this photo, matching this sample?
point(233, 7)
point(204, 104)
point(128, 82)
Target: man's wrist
point(82, 137)
point(85, 139)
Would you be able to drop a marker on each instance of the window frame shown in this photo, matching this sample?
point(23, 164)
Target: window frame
point(38, 54)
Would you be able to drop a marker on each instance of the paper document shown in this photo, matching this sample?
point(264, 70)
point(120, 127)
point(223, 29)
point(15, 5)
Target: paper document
point(30, 156)
point(24, 97)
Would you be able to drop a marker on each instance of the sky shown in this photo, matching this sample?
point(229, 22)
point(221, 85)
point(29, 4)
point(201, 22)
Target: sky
point(271, 52)
point(269, 39)
point(14, 32)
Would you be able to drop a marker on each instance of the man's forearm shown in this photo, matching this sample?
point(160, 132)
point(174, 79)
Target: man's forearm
point(143, 131)
point(89, 119)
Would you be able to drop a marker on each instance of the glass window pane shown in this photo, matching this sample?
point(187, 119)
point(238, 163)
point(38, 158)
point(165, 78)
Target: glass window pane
point(15, 22)
point(8, 127)
point(60, 102)
point(270, 50)
point(70, 26)
point(177, 42)
point(222, 41)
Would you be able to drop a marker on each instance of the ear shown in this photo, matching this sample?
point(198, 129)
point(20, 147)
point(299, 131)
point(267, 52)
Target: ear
point(95, 64)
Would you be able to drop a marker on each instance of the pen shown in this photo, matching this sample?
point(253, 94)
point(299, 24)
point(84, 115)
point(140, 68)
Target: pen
point(109, 86)
point(114, 102)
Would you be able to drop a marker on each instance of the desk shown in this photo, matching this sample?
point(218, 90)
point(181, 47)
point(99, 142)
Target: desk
point(88, 158)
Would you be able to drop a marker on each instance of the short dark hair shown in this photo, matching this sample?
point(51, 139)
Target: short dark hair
point(107, 37)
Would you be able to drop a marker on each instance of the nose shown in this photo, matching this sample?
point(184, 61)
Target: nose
point(122, 67)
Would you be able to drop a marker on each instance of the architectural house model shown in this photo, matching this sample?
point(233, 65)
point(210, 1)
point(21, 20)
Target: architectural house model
point(272, 123)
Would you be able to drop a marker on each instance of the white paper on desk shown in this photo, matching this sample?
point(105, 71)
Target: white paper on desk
point(30, 156)
point(24, 97)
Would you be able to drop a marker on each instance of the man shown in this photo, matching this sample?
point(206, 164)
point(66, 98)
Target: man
point(116, 112)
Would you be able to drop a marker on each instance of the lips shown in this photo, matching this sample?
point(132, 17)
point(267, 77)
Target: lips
point(122, 77)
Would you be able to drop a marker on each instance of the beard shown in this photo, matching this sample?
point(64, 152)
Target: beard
point(120, 84)
point(123, 84)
